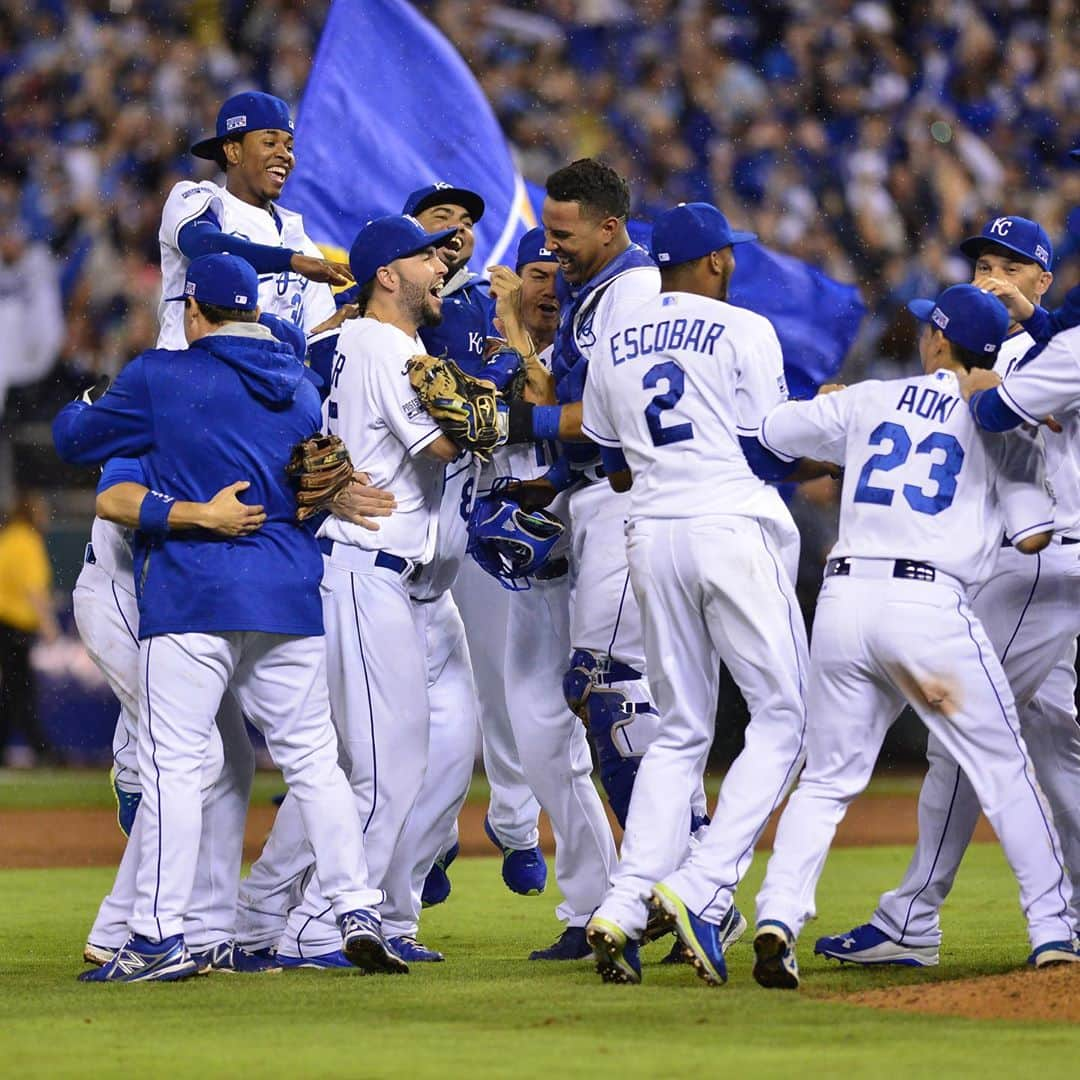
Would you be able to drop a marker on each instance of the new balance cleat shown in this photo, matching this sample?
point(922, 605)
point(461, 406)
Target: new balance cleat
point(98, 955)
point(437, 883)
point(775, 966)
point(524, 871)
point(702, 938)
point(868, 945)
point(617, 956)
point(571, 945)
point(141, 960)
point(336, 959)
point(1055, 953)
point(229, 957)
point(412, 952)
point(363, 943)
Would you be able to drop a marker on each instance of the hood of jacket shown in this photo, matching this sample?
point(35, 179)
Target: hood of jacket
point(267, 367)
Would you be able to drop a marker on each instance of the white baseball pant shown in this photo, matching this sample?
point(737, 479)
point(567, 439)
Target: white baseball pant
point(1030, 608)
point(711, 589)
point(879, 641)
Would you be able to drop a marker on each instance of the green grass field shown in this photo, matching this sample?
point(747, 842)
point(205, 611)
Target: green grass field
point(490, 1012)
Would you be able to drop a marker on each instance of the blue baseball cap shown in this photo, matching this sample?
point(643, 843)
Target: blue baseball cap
point(441, 192)
point(531, 249)
point(225, 280)
point(287, 332)
point(385, 239)
point(1025, 237)
point(692, 230)
point(249, 111)
point(1075, 154)
point(971, 318)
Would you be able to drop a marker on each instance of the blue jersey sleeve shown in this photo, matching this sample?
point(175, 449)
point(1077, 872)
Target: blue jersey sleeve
point(119, 424)
point(764, 464)
point(991, 413)
point(1043, 324)
point(203, 236)
point(121, 470)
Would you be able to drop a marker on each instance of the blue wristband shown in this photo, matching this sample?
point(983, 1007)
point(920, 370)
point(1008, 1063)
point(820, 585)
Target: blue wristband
point(545, 421)
point(154, 514)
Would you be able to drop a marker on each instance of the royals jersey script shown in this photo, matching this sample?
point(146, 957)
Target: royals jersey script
point(287, 294)
point(921, 481)
point(674, 385)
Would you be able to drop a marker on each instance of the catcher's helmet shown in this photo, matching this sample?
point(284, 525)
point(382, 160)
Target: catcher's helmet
point(508, 542)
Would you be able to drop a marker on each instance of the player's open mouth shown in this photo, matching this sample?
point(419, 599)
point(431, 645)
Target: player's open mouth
point(548, 308)
point(436, 289)
point(279, 173)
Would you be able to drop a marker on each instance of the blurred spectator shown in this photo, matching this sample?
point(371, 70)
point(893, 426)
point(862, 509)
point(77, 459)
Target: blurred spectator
point(25, 614)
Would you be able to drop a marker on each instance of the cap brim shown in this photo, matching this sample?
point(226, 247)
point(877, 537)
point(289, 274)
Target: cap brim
point(921, 309)
point(974, 246)
point(462, 197)
point(170, 299)
point(738, 237)
point(207, 149)
point(433, 240)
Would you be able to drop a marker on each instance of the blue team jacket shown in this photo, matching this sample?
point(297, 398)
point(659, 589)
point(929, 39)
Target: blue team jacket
point(467, 315)
point(229, 408)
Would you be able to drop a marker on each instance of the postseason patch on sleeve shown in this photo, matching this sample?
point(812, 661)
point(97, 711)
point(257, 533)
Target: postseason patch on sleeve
point(414, 410)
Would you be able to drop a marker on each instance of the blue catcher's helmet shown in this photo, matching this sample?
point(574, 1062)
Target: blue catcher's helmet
point(508, 542)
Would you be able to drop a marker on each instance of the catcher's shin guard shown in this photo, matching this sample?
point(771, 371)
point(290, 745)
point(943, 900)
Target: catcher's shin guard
point(611, 716)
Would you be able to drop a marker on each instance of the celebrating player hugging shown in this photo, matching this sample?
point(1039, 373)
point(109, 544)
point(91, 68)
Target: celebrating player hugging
point(537, 512)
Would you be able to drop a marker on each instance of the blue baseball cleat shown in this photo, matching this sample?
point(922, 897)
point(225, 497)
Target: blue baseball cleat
point(336, 959)
point(571, 945)
point(524, 871)
point(618, 958)
point(705, 940)
point(437, 883)
point(869, 946)
point(227, 956)
point(775, 966)
point(411, 951)
point(363, 943)
point(141, 960)
point(127, 802)
point(1055, 953)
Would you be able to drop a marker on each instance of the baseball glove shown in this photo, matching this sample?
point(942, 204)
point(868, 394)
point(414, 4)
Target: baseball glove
point(467, 409)
point(324, 468)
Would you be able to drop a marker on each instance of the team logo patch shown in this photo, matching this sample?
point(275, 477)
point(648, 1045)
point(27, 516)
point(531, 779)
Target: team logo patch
point(781, 384)
point(668, 301)
point(989, 348)
point(195, 191)
point(663, 256)
point(240, 298)
point(939, 318)
point(544, 251)
point(1000, 226)
point(189, 288)
point(442, 185)
point(1041, 253)
point(585, 335)
point(234, 122)
point(413, 409)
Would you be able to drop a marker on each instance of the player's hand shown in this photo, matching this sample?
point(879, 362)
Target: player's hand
point(1053, 425)
point(226, 515)
point(977, 379)
point(361, 501)
point(506, 288)
point(531, 494)
point(830, 388)
point(330, 273)
point(1018, 306)
point(339, 318)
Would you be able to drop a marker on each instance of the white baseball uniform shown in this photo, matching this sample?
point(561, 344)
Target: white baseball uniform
point(375, 658)
point(713, 553)
point(925, 499)
point(1030, 608)
point(287, 294)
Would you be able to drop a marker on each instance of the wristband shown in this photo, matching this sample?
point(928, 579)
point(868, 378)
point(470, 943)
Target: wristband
point(520, 422)
point(154, 514)
point(561, 475)
point(545, 422)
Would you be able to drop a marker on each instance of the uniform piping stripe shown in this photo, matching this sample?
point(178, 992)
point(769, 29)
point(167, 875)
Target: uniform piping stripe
point(157, 783)
point(123, 617)
point(371, 711)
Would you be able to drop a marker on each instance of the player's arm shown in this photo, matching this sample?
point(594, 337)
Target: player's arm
point(815, 429)
point(1020, 483)
point(597, 425)
point(124, 497)
point(203, 235)
point(540, 423)
point(118, 424)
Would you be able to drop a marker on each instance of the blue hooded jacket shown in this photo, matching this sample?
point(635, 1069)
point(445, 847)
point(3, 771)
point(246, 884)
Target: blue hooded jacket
point(231, 407)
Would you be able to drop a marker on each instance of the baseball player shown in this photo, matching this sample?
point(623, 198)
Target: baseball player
point(253, 146)
point(464, 334)
point(244, 616)
point(713, 554)
point(1030, 609)
point(376, 660)
point(925, 500)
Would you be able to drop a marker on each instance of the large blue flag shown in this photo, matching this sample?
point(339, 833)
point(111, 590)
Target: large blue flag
point(390, 106)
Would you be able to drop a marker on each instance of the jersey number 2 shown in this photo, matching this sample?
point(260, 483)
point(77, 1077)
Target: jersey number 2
point(943, 473)
point(675, 377)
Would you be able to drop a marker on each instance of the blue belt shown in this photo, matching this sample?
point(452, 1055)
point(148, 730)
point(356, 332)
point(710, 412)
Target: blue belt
point(385, 560)
point(907, 569)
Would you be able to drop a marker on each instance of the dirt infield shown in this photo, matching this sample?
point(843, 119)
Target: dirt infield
point(45, 838)
point(1052, 994)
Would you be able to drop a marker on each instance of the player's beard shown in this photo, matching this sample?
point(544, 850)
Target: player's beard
point(419, 304)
